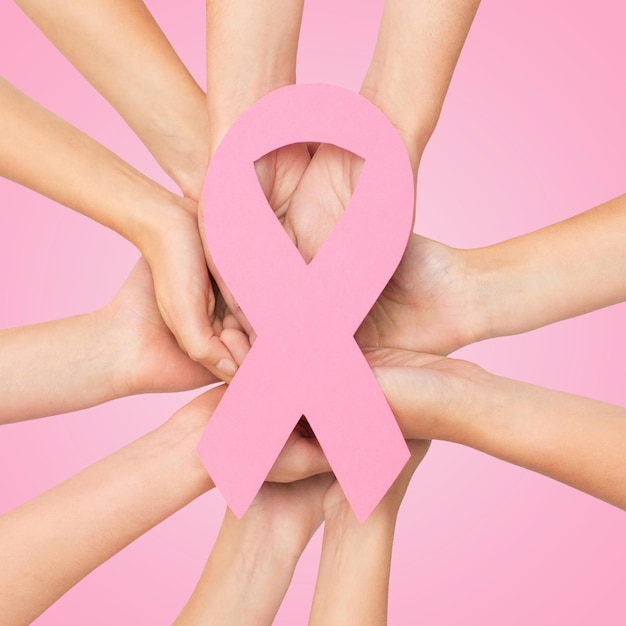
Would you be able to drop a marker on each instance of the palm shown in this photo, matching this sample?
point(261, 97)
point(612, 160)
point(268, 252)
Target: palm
point(425, 390)
point(280, 173)
point(322, 196)
point(157, 363)
point(423, 306)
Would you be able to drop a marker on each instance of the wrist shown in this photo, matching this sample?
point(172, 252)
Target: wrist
point(118, 342)
point(502, 291)
point(224, 107)
point(166, 214)
point(340, 522)
point(486, 399)
point(413, 119)
point(250, 51)
point(244, 579)
point(261, 546)
point(179, 139)
point(482, 288)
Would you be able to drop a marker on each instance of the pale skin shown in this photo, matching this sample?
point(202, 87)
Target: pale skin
point(117, 43)
point(442, 298)
point(575, 440)
point(353, 579)
point(123, 348)
point(251, 50)
point(510, 287)
point(48, 155)
point(253, 559)
point(47, 547)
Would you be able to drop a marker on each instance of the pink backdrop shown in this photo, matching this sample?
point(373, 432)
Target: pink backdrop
point(533, 131)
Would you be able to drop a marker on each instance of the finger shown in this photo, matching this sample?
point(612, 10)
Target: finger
point(237, 343)
point(300, 458)
point(230, 321)
point(194, 333)
point(195, 415)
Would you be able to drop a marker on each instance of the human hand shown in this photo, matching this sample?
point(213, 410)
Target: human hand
point(150, 359)
point(183, 287)
point(431, 304)
point(254, 558)
point(307, 195)
point(432, 397)
point(575, 440)
point(353, 579)
point(322, 195)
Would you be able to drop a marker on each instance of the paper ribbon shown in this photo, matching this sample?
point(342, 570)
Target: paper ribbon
point(305, 360)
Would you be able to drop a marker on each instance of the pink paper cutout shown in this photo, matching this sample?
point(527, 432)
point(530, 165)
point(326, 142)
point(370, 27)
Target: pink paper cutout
point(305, 359)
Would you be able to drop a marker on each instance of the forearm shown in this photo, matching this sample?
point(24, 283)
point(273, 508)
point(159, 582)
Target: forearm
point(58, 366)
point(353, 579)
point(578, 441)
point(245, 578)
point(117, 43)
point(45, 153)
point(567, 269)
point(54, 540)
point(419, 43)
point(251, 50)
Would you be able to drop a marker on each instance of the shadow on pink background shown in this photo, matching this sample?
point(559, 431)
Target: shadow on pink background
point(532, 132)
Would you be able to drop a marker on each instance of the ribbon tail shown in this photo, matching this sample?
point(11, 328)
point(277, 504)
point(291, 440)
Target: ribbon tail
point(357, 430)
point(240, 445)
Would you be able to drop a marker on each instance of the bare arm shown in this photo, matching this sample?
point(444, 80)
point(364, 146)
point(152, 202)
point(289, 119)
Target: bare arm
point(43, 152)
point(251, 50)
point(122, 349)
point(418, 46)
point(353, 580)
point(116, 44)
point(443, 298)
point(253, 560)
point(567, 269)
point(51, 542)
point(578, 441)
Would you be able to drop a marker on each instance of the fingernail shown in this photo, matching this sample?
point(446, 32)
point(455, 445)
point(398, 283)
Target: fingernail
point(227, 366)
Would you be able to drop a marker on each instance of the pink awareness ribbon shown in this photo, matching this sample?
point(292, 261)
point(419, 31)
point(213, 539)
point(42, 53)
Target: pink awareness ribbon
point(305, 360)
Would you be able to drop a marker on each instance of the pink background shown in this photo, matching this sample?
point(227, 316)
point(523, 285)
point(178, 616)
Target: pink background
point(532, 132)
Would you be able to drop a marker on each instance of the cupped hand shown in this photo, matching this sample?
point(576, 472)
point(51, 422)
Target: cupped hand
point(322, 195)
point(184, 290)
point(152, 360)
point(300, 458)
point(428, 304)
point(432, 397)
